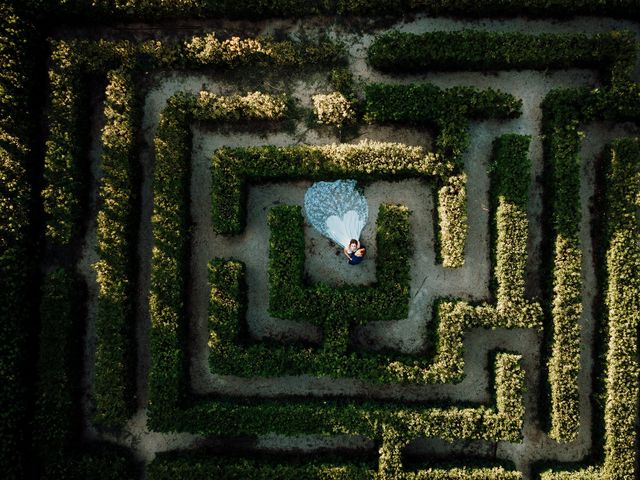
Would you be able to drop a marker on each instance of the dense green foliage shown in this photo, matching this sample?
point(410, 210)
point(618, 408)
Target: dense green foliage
point(258, 9)
point(562, 146)
point(117, 221)
point(199, 465)
point(233, 168)
point(623, 306)
point(612, 53)
point(16, 259)
point(449, 112)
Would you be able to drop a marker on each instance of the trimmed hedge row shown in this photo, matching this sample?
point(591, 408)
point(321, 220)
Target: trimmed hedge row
point(55, 421)
point(256, 9)
point(17, 262)
point(623, 305)
point(233, 168)
point(196, 465)
point(561, 150)
point(510, 173)
point(210, 51)
point(612, 53)
point(117, 223)
point(188, 466)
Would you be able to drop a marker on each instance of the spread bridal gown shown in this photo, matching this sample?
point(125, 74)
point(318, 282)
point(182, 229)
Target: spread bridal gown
point(337, 210)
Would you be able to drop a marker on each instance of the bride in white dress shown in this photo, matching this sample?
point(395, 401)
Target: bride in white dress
point(337, 210)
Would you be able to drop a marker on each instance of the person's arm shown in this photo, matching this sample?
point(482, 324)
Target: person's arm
point(344, 250)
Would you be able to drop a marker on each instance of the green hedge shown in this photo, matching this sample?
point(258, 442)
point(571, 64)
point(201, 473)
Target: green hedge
point(258, 9)
point(623, 305)
point(55, 418)
point(449, 112)
point(191, 466)
point(17, 262)
point(612, 53)
point(117, 222)
point(561, 150)
point(510, 175)
point(233, 168)
point(200, 465)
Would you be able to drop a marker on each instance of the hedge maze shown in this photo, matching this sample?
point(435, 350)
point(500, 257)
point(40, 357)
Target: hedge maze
point(104, 333)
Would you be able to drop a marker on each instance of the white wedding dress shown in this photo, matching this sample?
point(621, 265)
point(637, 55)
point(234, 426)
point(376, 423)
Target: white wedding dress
point(337, 210)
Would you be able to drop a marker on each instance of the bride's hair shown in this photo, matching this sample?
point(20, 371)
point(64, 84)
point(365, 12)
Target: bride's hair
point(353, 241)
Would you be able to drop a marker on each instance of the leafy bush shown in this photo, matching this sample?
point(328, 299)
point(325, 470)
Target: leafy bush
point(194, 465)
point(613, 53)
point(259, 9)
point(452, 215)
point(17, 253)
point(562, 146)
point(58, 368)
point(233, 168)
point(622, 301)
point(333, 109)
point(117, 220)
point(235, 51)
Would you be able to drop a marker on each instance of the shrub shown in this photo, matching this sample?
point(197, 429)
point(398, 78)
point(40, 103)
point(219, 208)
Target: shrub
point(622, 301)
point(333, 109)
point(562, 145)
point(235, 51)
point(117, 221)
point(233, 168)
point(612, 53)
point(17, 252)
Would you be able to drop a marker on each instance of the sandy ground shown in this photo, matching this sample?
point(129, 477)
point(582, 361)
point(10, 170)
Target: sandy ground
point(428, 282)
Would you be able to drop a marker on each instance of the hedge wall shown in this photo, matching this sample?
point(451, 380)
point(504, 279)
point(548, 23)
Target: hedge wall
point(612, 53)
point(118, 218)
point(623, 306)
point(17, 262)
point(199, 465)
point(233, 168)
point(258, 9)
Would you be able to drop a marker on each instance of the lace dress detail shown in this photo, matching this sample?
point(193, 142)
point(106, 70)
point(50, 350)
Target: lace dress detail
point(337, 210)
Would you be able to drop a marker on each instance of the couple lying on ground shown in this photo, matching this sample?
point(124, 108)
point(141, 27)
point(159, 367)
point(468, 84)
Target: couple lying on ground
point(354, 252)
point(339, 212)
